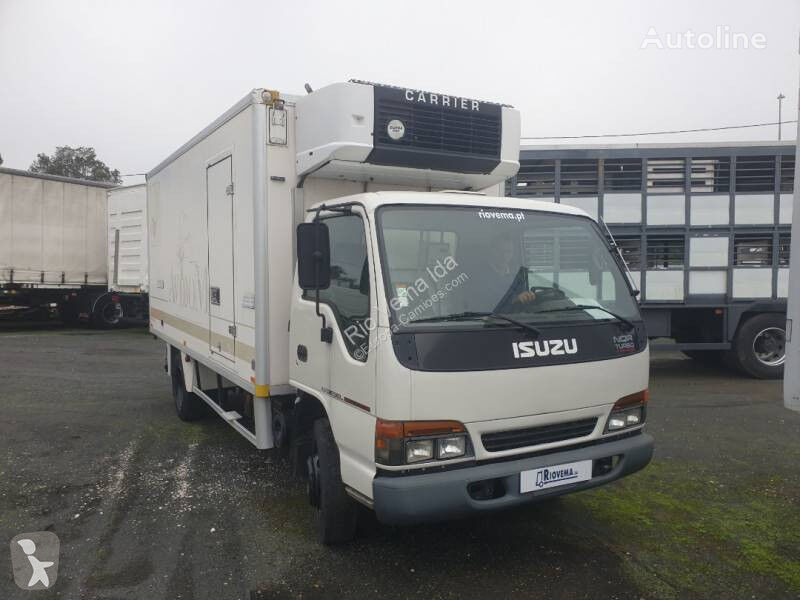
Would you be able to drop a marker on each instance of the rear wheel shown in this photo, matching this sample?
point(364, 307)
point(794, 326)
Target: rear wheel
point(760, 346)
point(107, 314)
point(337, 513)
point(189, 406)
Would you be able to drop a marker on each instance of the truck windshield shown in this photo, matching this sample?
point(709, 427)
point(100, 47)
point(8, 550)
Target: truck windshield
point(446, 266)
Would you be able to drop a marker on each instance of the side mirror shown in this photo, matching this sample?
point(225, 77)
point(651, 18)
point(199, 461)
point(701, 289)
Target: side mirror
point(313, 256)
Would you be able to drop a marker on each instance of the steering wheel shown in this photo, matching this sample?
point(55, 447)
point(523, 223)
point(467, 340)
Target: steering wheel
point(547, 293)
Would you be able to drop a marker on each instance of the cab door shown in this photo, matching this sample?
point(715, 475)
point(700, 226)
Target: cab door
point(221, 314)
point(350, 297)
point(344, 368)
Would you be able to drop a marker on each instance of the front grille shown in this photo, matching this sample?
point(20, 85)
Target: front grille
point(534, 436)
point(439, 129)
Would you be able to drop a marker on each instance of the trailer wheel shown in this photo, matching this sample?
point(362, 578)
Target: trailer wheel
point(107, 314)
point(760, 346)
point(188, 405)
point(337, 513)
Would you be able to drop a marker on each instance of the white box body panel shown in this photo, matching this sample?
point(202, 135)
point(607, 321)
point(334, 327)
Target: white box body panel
point(127, 213)
point(710, 210)
point(622, 208)
point(179, 232)
point(752, 283)
point(708, 251)
point(708, 282)
point(754, 209)
point(664, 285)
point(666, 210)
point(52, 231)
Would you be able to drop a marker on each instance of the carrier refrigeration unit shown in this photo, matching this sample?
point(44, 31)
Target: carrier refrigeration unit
point(425, 353)
point(705, 231)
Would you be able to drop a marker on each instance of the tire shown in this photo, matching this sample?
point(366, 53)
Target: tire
point(760, 346)
point(107, 314)
point(337, 513)
point(188, 406)
point(706, 357)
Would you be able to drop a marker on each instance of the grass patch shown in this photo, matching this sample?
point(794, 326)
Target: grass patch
point(700, 531)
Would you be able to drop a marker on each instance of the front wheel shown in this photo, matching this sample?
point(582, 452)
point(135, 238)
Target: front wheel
point(760, 346)
point(188, 406)
point(337, 513)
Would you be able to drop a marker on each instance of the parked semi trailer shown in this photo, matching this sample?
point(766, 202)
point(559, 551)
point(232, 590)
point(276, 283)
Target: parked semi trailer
point(127, 256)
point(426, 354)
point(705, 231)
point(52, 246)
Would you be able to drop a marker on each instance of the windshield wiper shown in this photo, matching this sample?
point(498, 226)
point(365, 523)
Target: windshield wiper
point(588, 307)
point(462, 316)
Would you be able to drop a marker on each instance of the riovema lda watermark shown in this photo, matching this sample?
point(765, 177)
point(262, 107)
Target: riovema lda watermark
point(722, 38)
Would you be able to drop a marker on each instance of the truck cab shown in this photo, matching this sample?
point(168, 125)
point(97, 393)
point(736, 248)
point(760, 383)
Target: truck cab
point(464, 353)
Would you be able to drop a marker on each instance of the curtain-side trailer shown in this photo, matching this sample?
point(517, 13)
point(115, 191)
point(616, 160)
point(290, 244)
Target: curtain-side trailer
point(426, 354)
point(52, 245)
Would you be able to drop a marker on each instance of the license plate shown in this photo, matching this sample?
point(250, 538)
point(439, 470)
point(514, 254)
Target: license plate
point(550, 477)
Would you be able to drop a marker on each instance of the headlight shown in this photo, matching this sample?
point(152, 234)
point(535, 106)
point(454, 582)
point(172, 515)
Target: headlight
point(629, 411)
point(451, 447)
point(419, 450)
point(410, 442)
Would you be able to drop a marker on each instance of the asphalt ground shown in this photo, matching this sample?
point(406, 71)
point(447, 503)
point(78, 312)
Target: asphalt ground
point(149, 507)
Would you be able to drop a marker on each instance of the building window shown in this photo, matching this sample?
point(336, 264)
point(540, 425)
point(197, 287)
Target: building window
point(665, 252)
point(536, 178)
point(622, 175)
point(711, 174)
point(755, 174)
point(579, 177)
point(752, 250)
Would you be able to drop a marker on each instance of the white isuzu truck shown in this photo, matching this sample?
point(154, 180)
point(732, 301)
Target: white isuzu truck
point(428, 354)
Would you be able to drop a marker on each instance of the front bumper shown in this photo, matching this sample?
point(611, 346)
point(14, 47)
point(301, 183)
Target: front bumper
point(446, 494)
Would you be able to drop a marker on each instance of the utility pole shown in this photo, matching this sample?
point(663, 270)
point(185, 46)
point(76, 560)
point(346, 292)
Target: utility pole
point(780, 103)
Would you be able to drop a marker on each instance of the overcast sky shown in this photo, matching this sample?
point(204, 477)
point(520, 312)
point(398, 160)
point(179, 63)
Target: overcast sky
point(136, 79)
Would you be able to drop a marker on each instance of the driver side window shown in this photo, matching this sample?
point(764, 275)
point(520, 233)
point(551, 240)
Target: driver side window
point(348, 294)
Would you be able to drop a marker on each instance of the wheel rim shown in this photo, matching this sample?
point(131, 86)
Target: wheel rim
point(769, 346)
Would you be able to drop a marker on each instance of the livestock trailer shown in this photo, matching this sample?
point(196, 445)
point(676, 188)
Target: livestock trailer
point(704, 228)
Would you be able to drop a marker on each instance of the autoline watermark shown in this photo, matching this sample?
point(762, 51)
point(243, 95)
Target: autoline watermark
point(722, 38)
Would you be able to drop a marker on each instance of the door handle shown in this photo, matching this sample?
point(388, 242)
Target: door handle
point(214, 295)
point(302, 353)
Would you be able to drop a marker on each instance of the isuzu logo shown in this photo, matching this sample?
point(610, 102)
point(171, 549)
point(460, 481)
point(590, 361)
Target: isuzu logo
point(545, 348)
point(442, 100)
